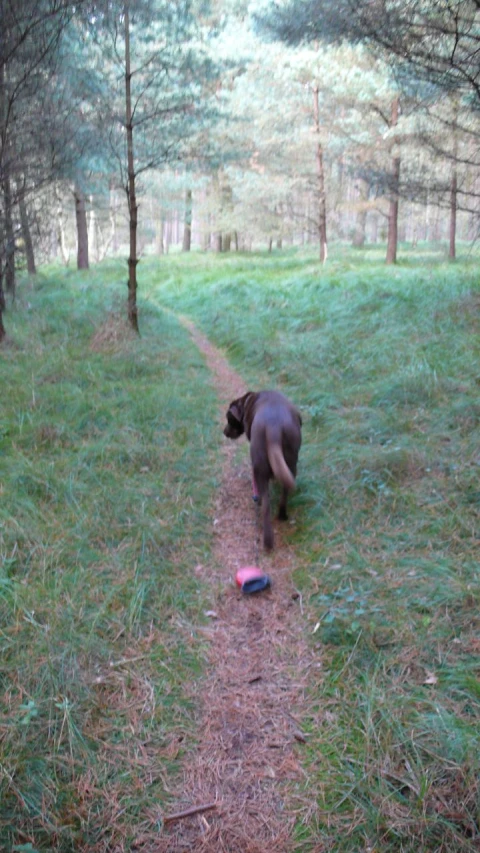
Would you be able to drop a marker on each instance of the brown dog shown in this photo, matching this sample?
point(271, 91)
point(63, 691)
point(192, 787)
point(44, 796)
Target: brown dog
point(273, 427)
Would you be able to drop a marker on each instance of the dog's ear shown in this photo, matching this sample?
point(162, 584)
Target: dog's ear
point(234, 428)
point(234, 414)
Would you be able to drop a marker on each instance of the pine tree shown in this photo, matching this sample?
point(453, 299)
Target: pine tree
point(30, 35)
point(154, 48)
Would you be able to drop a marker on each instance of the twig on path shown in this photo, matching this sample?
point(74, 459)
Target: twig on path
point(191, 811)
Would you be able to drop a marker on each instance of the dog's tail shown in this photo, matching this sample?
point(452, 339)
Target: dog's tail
point(279, 466)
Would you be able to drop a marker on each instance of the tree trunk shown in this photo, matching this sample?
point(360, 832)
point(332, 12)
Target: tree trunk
point(3, 333)
point(226, 200)
point(9, 237)
point(3, 214)
point(187, 230)
point(159, 234)
point(27, 236)
point(322, 206)
point(360, 229)
point(92, 229)
point(392, 239)
point(131, 194)
point(82, 229)
point(112, 215)
point(361, 215)
point(61, 238)
point(453, 217)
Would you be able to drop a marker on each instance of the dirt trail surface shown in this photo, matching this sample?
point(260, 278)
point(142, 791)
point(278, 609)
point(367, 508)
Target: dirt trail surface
point(247, 758)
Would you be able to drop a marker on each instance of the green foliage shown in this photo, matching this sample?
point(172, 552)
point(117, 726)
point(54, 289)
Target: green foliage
point(172, 73)
point(428, 41)
point(106, 485)
point(275, 183)
point(384, 366)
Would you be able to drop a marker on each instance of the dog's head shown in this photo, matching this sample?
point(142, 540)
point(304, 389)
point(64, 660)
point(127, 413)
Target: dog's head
point(234, 428)
point(240, 415)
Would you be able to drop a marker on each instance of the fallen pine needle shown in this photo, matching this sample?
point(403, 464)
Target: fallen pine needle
point(191, 811)
point(300, 737)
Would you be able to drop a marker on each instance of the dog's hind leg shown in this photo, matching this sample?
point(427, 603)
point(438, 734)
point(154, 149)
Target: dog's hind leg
point(267, 521)
point(262, 483)
point(282, 507)
point(290, 456)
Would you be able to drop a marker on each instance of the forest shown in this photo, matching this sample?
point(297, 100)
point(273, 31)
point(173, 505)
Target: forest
point(228, 126)
point(200, 198)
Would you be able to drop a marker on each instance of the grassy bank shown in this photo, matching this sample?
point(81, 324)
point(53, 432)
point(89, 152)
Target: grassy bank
point(384, 363)
point(105, 487)
point(109, 460)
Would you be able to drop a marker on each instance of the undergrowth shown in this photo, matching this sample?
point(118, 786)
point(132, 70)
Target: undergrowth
point(384, 364)
point(109, 457)
point(106, 484)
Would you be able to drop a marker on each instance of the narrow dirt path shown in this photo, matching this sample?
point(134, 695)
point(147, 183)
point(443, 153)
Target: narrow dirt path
point(246, 760)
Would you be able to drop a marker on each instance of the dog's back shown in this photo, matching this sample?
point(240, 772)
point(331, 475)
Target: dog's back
point(275, 437)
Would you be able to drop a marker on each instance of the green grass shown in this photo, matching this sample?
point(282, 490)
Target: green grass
point(105, 487)
point(384, 363)
point(109, 465)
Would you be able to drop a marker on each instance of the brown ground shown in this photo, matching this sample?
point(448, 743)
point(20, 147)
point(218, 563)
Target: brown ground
point(246, 760)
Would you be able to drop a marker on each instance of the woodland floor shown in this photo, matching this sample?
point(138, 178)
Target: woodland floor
point(246, 760)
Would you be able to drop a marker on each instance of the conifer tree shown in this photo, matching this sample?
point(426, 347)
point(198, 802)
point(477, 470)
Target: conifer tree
point(30, 34)
point(156, 65)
